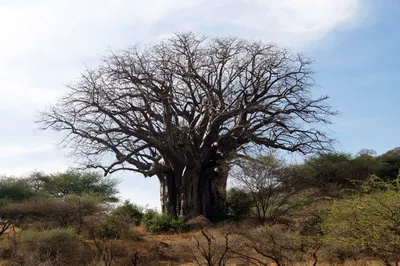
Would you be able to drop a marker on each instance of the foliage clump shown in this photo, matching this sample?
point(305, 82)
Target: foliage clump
point(239, 203)
point(15, 190)
point(129, 211)
point(158, 223)
point(369, 221)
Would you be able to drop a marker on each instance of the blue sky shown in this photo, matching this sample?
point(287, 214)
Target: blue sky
point(46, 44)
point(359, 68)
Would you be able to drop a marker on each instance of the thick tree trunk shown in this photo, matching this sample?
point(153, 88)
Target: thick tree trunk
point(202, 192)
point(189, 199)
point(168, 194)
point(215, 201)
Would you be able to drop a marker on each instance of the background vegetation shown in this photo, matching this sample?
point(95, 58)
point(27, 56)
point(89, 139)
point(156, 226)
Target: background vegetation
point(333, 208)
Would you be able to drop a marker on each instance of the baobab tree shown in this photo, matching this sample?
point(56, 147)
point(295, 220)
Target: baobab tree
point(182, 108)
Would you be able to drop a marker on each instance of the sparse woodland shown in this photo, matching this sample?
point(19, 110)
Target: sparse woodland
point(212, 120)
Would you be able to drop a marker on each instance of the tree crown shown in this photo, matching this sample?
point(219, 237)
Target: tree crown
point(187, 98)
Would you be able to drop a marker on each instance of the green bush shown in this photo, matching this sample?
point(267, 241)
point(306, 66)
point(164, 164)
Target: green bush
point(74, 182)
point(148, 216)
point(368, 222)
point(109, 227)
point(161, 223)
point(239, 203)
point(53, 247)
point(129, 211)
point(329, 173)
point(112, 228)
point(12, 189)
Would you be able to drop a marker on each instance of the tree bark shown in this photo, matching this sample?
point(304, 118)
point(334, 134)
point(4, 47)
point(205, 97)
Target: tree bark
point(213, 194)
point(189, 199)
point(168, 194)
point(218, 198)
point(202, 192)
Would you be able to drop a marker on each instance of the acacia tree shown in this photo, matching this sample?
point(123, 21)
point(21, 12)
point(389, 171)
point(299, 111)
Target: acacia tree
point(271, 185)
point(182, 108)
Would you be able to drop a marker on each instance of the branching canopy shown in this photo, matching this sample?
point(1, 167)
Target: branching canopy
point(186, 98)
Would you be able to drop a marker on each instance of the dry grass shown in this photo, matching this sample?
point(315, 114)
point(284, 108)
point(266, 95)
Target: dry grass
point(174, 249)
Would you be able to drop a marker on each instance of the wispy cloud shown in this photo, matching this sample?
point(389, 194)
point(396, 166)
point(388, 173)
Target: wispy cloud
point(45, 44)
point(293, 23)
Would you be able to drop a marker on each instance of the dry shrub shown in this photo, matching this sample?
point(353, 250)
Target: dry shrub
point(109, 250)
point(208, 250)
point(53, 247)
point(54, 212)
point(160, 251)
point(115, 252)
point(339, 254)
point(272, 244)
point(105, 232)
point(199, 222)
point(7, 250)
point(109, 226)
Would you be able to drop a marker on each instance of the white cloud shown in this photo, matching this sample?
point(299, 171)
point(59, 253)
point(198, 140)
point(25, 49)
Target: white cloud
point(44, 44)
point(290, 22)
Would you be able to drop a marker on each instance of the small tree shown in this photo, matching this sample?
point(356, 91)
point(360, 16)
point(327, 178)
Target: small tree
point(270, 184)
point(74, 182)
point(389, 164)
point(37, 180)
point(363, 165)
point(370, 221)
point(329, 173)
point(14, 189)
